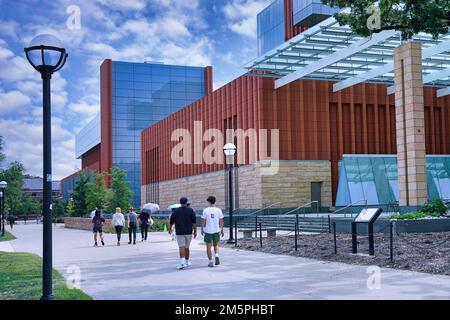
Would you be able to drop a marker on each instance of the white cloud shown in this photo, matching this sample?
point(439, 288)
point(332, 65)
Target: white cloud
point(23, 142)
point(242, 15)
point(13, 102)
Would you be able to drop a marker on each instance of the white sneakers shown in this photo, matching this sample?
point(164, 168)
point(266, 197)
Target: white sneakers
point(184, 264)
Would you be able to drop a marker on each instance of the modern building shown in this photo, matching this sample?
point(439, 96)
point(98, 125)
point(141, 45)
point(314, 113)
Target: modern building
point(313, 85)
point(133, 97)
point(34, 188)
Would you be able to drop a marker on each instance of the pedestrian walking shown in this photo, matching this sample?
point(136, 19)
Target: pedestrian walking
point(212, 229)
point(118, 222)
point(11, 220)
point(132, 225)
point(97, 222)
point(185, 223)
point(145, 221)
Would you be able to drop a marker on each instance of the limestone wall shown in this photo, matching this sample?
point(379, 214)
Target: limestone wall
point(83, 223)
point(256, 187)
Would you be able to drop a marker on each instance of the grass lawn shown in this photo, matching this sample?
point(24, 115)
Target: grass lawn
point(20, 278)
point(7, 237)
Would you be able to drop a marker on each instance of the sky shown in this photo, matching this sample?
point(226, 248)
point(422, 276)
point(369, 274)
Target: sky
point(220, 33)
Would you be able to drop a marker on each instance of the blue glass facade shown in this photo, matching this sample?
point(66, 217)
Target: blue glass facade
point(68, 185)
point(271, 31)
point(375, 179)
point(88, 137)
point(305, 9)
point(142, 95)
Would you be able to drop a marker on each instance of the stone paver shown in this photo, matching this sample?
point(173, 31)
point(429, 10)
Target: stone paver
point(148, 271)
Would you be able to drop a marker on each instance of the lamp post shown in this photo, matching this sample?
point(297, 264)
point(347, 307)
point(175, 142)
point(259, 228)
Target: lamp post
point(47, 56)
point(230, 150)
point(3, 186)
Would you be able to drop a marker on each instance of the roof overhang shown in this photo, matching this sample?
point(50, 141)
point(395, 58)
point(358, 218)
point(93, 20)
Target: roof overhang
point(332, 52)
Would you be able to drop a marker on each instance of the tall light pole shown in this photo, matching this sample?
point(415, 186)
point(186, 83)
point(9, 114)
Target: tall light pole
point(230, 150)
point(3, 186)
point(47, 56)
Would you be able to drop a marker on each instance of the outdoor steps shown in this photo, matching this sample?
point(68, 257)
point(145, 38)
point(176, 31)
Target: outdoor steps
point(307, 223)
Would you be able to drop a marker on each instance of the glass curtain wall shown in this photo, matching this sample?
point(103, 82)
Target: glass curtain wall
point(304, 9)
point(144, 94)
point(375, 179)
point(271, 27)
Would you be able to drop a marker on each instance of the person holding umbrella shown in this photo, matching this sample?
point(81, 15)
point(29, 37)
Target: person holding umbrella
point(145, 218)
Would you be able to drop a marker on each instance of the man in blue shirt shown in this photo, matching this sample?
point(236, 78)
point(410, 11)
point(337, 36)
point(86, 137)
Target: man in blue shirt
point(185, 223)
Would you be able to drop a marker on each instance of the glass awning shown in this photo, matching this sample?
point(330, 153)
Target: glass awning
point(332, 52)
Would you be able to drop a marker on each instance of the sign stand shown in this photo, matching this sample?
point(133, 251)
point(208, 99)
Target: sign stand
point(367, 216)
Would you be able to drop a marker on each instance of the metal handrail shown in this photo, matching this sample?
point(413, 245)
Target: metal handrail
point(301, 207)
point(349, 206)
point(255, 212)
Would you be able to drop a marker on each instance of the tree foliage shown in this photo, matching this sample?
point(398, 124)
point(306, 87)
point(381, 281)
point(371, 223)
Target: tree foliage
point(407, 16)
point(79, 195)
point(121, 193)
point(13, 175)
point(97, 195)
point(29, 205)
point(70, 208)
point(2, 155)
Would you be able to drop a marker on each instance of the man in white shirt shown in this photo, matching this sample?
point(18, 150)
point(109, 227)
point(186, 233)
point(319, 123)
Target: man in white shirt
point(212, 229)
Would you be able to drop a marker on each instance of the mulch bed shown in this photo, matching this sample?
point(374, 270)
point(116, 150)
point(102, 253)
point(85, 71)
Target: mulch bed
point(422, 252)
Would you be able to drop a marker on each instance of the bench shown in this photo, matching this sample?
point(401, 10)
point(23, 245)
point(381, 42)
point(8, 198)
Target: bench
point(248, 233)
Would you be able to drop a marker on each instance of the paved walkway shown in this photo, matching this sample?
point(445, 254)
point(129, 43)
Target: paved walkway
point(148, 271)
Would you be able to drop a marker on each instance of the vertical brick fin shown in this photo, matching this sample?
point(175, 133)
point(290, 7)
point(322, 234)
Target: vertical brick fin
point(209, 79)
point(288, 19)
point(106, 117)
point(410, 119)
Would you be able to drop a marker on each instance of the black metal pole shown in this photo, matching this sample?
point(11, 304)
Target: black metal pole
point(230, 192)
point(334, 237)
point(260, 234)
point(354, 238)
point(47, 288)
point(391, 229)
point(329, 223)
point(256, 226)
point(3, 212)
point(235, 234)
point(371, 242)
point(296, 235)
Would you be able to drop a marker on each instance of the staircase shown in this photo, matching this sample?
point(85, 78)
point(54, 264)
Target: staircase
point(314, 223)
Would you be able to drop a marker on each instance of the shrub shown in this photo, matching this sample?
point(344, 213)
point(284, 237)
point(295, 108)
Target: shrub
point(413, 215)
point(437, 206)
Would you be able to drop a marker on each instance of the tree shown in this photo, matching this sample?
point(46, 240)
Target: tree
point(407, 16)
point(79, 195)
point(58, 208)
point(29, 205)
point(97, 195)
point(70, 208)
point(13, 194)
point(121, 193)
point(2, 155)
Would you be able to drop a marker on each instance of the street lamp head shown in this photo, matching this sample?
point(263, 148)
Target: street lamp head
point(46, 54)
point(3, 185)
point(229, 150)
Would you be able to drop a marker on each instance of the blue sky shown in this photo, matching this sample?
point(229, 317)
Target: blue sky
point(221, 33)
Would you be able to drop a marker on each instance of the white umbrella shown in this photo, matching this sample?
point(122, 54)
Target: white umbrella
point(174, 206)
point(150, 208)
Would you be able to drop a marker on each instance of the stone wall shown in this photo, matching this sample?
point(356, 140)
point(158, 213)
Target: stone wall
point(256, 186)
point(83, 223)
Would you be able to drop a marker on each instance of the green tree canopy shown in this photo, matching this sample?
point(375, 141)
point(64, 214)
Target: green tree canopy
point(58, 208)
point(13, 194)
point(29, 205)
point(121, 193)
point(97, 195)
point(2, 155)
point(79, 195)
point(407, 16)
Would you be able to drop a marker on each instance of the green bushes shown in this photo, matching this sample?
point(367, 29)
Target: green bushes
point(432, 208)
point(158, 226)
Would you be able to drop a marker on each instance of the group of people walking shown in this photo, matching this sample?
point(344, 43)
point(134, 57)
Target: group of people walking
point(143, 220)
point(182, 219)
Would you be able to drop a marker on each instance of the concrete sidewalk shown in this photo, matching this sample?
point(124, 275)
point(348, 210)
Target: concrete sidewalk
point(148, 271)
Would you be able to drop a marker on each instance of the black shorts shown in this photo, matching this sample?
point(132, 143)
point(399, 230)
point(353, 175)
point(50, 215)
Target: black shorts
point(98, 229)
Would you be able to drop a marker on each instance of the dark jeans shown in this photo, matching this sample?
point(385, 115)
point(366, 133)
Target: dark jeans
point(132, 229)
point(144, 231)
point(118, 232)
